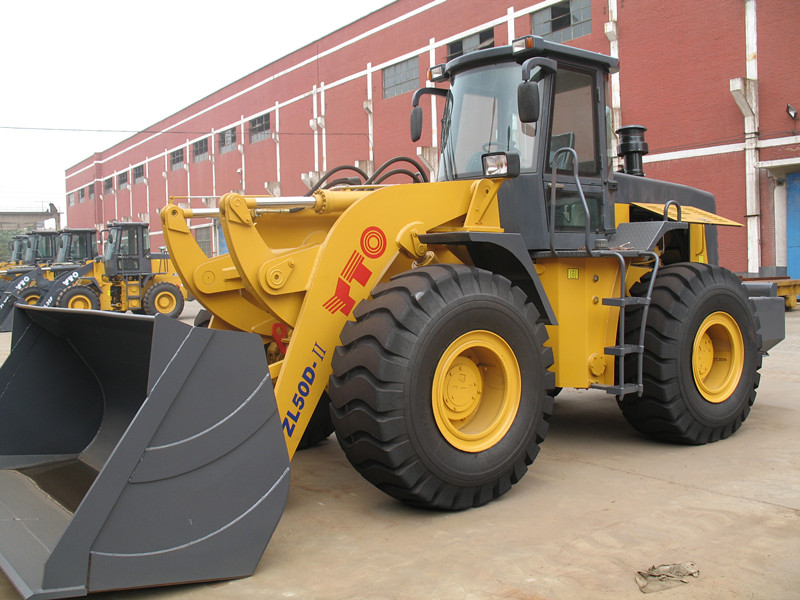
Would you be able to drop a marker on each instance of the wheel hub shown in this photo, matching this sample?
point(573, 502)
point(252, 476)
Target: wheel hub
point(462, 388)
point(718, 357)
point(165, 302)
point(80, 302)
point(476, 391)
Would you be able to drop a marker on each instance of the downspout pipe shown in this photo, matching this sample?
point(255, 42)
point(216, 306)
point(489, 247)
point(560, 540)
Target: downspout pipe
point(745, 94)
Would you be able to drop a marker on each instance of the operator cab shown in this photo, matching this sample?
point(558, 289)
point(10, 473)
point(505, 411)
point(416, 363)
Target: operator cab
point(509, 112)
point(76, 246)
point(127, 250)
point(41, 247)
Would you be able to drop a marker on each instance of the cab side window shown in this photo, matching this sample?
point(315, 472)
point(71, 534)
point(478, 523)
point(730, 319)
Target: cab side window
point(573, 122)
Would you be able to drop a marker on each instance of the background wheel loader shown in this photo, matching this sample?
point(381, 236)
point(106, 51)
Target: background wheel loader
point(38, 248)
point(74, 248)
point(24, 279)
point(437, 319)
point(128, 276)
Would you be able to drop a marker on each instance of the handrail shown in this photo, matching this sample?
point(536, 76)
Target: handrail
point(674, 203)
point(552, 224)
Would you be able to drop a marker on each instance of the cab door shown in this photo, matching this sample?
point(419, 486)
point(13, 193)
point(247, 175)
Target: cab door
point(577, 122)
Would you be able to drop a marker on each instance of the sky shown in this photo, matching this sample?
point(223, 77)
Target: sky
point(78, 76)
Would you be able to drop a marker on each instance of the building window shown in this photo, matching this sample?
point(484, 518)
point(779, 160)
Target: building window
point(122, 180)
point(476, 41)
point(91, 191)
point(81, 195)
point(259, 128)
point(400, 78)
point(227, 140)
point(176, 159)
point(203, 237)
point(200, 150)
point(108, 185)
point(563, 21)
point(138, 174)
point(71, 199)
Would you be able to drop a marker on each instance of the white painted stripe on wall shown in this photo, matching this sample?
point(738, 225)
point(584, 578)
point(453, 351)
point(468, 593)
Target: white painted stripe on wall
point(694, 153)
point(724, 149)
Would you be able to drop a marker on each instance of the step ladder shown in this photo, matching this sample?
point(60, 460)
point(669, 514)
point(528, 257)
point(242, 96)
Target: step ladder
point(630, 240)
point(622, 350)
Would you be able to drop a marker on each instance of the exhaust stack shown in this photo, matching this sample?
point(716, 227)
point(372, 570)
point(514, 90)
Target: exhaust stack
point(632, 148)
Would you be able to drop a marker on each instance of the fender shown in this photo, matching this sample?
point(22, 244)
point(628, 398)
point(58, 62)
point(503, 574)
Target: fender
point(504, 254)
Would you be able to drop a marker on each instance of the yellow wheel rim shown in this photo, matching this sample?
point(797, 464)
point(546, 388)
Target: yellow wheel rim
point(32, 299)
point(165, 302)
point(476, 391)
point(718, 357)
point(80, 302)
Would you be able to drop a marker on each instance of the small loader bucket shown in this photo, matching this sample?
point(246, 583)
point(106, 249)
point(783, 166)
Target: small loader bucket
point(134, 452)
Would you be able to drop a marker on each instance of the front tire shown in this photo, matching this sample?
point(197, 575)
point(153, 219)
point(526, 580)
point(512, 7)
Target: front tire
point(439, 392)
point(81, 297)
point(701, 356)
point(31, 295)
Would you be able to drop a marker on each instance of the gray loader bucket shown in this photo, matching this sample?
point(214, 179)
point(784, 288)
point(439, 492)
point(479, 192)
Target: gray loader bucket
point(134, 452)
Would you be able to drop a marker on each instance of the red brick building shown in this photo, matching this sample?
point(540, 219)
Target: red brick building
point(714, 83)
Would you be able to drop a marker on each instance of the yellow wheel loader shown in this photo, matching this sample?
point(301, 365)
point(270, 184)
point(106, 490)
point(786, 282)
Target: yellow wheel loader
point(128, 276)
point(38, 248)
point(73, 248)
point(25, 279)
point(436, 319)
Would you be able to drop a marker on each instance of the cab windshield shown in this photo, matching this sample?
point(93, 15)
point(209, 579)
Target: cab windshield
point(74, 247)
point(481, 116)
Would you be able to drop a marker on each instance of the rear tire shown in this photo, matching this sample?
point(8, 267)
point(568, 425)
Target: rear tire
point(81, 297)
point(439, 393)
point(203, 318)
point(163, 298)
point(701, 356)
point(320, 427)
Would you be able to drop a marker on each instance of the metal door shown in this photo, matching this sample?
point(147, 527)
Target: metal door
point(793, 224)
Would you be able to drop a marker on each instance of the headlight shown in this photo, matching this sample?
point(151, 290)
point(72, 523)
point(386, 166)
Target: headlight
point(500, 164)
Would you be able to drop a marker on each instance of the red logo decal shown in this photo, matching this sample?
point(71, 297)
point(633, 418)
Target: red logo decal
point(355, 269)
point(341, 300)
point(373, 245)
point(373, 242)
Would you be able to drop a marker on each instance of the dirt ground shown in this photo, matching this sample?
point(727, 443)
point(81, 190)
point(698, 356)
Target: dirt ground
point(600, 503)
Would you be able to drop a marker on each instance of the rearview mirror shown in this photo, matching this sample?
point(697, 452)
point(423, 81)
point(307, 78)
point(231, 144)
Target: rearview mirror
point(528, 101)
point(416, 123)
point(416, 109)
point(533, 70)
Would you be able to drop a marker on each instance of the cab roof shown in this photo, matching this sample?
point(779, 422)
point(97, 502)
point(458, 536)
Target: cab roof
point(536, 46)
